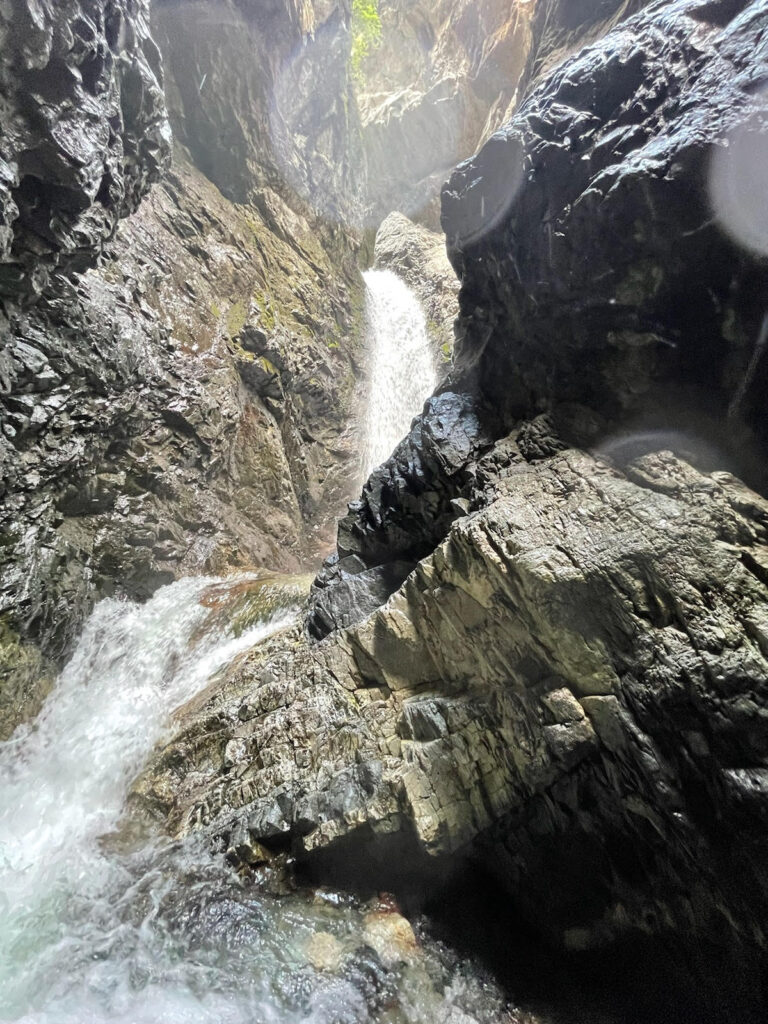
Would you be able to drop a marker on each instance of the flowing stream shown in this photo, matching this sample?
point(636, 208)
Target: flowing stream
point(165, 933)
point(403, 372)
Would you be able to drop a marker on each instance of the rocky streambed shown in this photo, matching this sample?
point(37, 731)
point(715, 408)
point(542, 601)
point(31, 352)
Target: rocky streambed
point(102, 922)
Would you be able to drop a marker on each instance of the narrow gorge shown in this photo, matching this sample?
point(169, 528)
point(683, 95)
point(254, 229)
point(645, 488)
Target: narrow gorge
point(383, 511)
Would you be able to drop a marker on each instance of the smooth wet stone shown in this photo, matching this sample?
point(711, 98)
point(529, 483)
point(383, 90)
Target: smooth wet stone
point(391, 936)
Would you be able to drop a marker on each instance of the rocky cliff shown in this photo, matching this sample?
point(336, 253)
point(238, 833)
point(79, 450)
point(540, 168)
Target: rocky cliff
point(85, 132)
point(187, 404)
point(181, 397)
point(541, 649)
point(262, 96)
point(565, 679)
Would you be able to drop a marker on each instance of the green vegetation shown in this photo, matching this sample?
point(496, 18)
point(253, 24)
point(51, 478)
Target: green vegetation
point(366, 33)
point(236, 318)
point(268, 319)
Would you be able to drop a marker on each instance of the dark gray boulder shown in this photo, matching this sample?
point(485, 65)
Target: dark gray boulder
point(612, 239)
point(406, 508)
point(84, 131)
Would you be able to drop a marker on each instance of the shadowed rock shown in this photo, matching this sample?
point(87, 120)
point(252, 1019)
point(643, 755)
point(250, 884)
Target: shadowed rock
point(594, 267)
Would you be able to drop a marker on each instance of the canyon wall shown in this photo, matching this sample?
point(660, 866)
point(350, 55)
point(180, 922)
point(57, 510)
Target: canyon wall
point(178, 391)
point(444, 76)
point(540, 649)
point(180, 369)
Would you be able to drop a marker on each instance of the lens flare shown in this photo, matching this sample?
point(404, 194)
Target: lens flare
point(738, 183)
point(625, 447)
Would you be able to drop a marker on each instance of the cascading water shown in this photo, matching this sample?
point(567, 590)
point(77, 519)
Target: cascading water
point(403, 373)
point(165, 933)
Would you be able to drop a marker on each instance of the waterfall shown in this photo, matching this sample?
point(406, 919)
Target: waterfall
point(403, 373)
point(161, 932)
point(63, 783)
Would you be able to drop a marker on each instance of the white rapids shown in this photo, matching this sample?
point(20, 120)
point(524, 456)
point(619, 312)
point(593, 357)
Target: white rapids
point(403, 372)
point(63, 781)
point(166, 933)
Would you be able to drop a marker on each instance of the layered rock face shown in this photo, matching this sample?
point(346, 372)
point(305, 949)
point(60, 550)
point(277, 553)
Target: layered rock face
point(264, 98)
point(440, 74)
point(543, 644)
point(599, 284)
point(570, 685)
point(188, 405)
point(567, 689)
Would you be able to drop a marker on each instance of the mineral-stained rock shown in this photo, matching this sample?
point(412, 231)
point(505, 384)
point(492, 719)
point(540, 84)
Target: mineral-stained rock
point(185, 406)
point(571, 689)
point(571, 685)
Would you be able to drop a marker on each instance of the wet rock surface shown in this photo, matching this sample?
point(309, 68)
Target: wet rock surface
point(602, 285)
point(541, 648)
point(444, 75)
point(168, 415)
point(440, 74)
point(568, 691)
point(406, 508)
point(85, 132)
point(182, 407)
point(569, 686)
point(600, 263)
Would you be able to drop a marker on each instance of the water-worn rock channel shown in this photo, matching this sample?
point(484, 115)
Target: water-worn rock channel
point(102, 924)
point(383, 537)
